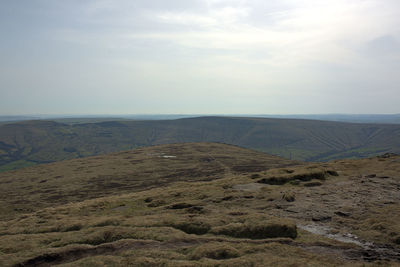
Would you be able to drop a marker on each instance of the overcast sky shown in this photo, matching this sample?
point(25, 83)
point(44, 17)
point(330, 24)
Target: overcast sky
point(199, 57)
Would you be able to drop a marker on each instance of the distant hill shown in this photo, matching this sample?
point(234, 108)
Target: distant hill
point(356, 118)
point(33, 142)
point(75, 119)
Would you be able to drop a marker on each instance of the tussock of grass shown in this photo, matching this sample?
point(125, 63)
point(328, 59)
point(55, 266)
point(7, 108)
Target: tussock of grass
point(106, 236)
point(192, 227)
point(258, 230)
point(75, 227)
point(107, 222)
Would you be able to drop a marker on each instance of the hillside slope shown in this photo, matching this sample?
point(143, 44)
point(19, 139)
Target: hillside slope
point(80, 179)
point(210, 205)
point(28, 143)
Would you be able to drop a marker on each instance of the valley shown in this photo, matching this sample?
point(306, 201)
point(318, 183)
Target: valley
point(28, 143)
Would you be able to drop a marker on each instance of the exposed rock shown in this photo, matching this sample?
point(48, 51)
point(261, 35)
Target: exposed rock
point(289, 197)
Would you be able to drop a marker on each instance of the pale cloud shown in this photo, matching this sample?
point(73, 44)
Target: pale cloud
point(301, 31)
point(261, 56)
point(188, 19)
point(310, 30)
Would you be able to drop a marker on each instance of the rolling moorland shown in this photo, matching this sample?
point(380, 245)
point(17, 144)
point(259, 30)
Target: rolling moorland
point(356, 118)
point(28, 143)
point(201, 204)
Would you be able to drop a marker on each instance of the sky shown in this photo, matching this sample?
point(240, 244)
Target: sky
point(199, 56)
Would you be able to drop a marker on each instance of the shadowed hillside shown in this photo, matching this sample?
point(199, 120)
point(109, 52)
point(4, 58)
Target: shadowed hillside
point(29, 143)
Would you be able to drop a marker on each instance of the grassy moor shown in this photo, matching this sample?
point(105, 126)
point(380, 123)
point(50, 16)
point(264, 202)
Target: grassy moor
point(210, 133)
point(201, 204)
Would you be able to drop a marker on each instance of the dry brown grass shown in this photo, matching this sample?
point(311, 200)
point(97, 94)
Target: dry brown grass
point(38, 187)
point(210, 223)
